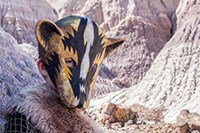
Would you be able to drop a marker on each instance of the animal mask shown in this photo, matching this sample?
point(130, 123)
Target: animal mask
point(72, 50)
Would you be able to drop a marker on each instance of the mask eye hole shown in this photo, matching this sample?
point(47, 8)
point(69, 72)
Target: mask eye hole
point(70, 62)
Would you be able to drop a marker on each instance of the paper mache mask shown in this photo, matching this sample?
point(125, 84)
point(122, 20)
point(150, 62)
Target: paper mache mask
point(72, 50)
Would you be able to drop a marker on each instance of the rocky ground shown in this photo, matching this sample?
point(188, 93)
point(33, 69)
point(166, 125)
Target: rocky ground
point(145, 128)
point(173, 79)
point(146, 120)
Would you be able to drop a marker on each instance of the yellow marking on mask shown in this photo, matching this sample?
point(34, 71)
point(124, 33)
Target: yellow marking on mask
point(69, 30)
point(87, 70)
point(66, 93)
point(65, 72)
point(86, 104)
point(75, 24)
point(70, 53)
point(55, 45)
point(67, 36)
point(55, 39)
point(71, 26)
point(98, 59)
point(104, 40)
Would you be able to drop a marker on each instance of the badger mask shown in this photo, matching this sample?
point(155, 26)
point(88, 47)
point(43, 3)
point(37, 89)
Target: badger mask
point(72, 50)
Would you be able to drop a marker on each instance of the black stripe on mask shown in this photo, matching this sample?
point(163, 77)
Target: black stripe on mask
point(53, 67)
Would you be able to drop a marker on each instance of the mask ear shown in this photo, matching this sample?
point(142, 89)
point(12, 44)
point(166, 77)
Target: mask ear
point(47, 31)
point(112, 45)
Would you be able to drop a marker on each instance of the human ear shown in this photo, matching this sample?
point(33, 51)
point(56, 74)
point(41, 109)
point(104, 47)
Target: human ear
point(41, 68)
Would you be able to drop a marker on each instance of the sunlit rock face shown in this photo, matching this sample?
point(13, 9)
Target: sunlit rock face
point(173, 79)
point(147, 26)
point(19, 18)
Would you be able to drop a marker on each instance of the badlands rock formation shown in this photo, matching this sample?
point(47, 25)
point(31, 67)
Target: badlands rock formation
point(67, 7)
point(147, 25)
point(19, 17)
point(173, 79)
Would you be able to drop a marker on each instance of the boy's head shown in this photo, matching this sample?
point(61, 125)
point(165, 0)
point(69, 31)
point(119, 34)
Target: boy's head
point(71, 51)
